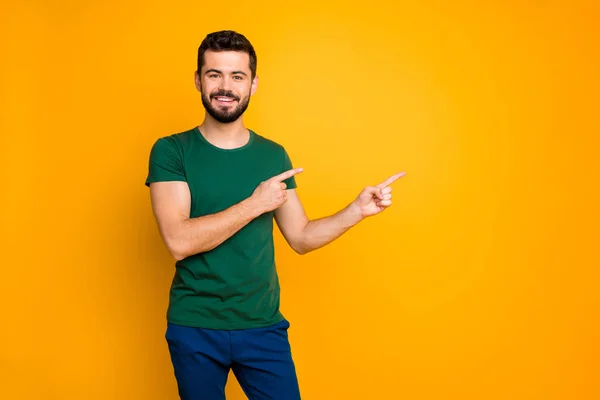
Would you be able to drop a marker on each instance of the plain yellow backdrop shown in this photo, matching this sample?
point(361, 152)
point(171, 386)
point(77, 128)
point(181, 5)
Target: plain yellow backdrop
point(480, 282)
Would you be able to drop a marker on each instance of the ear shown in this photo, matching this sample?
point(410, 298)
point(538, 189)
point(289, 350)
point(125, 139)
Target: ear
point(254, 85)
point(197, 81)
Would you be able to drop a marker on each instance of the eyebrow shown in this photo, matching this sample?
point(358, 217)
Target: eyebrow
point(220, 72)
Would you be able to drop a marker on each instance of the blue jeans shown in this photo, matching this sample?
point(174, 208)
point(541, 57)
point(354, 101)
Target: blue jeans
point(260, 359)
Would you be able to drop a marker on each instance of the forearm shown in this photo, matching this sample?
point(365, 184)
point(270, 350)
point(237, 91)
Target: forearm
point(202, 234)
point(320, 232)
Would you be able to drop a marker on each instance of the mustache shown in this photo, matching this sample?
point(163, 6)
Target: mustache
point(224, 93)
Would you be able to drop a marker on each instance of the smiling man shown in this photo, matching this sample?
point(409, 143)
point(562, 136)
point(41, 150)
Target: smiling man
point(216, 190)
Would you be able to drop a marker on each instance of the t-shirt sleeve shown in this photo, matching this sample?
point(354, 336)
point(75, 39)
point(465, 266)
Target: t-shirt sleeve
point(166, 163)
point(287, 165)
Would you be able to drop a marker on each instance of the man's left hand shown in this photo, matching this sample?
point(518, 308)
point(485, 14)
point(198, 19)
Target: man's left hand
point(375, 199)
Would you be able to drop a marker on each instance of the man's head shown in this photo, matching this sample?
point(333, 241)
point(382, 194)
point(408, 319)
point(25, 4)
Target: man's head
point(226, 74)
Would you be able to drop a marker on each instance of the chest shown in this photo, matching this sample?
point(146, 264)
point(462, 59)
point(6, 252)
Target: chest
point(218, 182)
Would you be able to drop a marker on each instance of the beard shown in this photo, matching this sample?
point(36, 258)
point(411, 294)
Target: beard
point(225, 115)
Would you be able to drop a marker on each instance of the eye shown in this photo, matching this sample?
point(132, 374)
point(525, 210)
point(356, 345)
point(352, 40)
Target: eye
point(238, 77)
point(213, 76)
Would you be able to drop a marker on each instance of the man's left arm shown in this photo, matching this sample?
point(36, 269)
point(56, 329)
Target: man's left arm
point(304, 235)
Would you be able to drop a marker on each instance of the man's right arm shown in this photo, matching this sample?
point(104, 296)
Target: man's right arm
point(185, 236)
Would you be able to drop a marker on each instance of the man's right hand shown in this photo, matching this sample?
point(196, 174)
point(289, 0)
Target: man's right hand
point(270, 194)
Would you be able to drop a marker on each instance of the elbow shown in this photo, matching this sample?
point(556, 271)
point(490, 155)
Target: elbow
point(180, 249)
point(177, 255)
point(302, 244)
point(177, 249)
point(301, 249)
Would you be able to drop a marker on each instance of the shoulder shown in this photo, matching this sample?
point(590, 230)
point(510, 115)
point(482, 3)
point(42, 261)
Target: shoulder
point(178, 138)
point(268, 144)
point(277, 153)
point(173, 142)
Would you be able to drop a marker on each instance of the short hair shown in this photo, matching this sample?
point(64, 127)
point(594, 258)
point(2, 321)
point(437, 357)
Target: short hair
point(227, 40)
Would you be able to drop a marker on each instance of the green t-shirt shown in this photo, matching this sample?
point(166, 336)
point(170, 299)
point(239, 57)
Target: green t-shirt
point(235, 285)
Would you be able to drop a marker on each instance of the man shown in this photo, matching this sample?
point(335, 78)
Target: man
point(215, 191)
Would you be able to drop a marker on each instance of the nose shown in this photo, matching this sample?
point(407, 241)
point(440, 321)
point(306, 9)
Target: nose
point(224, 83)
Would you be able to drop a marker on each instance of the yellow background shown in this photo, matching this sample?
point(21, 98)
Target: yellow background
point(480, 282)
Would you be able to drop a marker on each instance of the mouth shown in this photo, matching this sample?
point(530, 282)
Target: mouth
point(224, 100)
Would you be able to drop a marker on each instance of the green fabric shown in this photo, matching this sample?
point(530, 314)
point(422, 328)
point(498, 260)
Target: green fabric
point(235, 285)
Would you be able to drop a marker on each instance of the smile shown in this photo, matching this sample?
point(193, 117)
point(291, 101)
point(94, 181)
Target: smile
point(225, 100)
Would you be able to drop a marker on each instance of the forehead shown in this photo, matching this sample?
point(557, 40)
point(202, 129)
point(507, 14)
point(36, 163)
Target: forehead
point(227, 61)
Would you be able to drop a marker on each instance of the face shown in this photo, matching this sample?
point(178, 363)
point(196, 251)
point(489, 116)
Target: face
point(225, 83)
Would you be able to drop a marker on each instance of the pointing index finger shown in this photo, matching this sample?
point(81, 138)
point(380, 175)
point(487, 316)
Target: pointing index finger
point(287, 174)
point(391, 179)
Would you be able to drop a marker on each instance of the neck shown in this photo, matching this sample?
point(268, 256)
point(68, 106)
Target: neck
point(226, 136)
